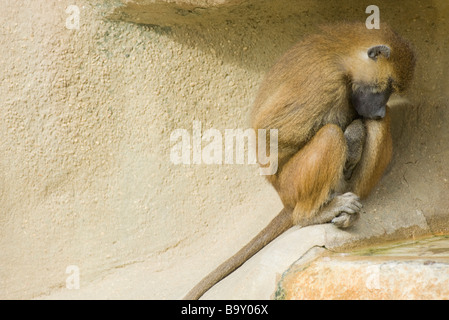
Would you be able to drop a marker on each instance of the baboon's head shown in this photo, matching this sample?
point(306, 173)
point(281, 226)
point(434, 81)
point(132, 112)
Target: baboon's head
point(379, 63)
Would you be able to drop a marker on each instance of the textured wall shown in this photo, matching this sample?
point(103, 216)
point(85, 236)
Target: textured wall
point(86, 117)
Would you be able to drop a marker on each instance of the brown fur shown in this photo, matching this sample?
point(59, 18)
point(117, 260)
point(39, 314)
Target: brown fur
point(306, 180)
point(375, 157)
point(306, 96)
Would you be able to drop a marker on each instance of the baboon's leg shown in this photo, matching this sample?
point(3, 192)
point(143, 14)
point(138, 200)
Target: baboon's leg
point(375, 158)
point(310, 178)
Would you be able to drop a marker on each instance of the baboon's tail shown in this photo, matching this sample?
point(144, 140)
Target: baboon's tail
point(276, 227)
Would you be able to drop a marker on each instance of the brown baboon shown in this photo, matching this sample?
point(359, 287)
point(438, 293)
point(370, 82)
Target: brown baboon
point(327, 97)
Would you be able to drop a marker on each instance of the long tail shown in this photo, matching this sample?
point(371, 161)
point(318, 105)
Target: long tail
point(276, 227)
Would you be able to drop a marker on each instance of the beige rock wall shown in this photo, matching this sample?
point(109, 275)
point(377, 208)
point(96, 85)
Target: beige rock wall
point(86, 117)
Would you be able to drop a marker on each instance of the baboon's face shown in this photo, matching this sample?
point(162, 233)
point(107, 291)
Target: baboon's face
point(369, 101)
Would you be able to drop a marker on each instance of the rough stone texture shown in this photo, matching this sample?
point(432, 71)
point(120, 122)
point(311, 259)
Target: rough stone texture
point(171, 13)
point(406, 271)
point(85, 123)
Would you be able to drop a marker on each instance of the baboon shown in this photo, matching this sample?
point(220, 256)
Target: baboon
point(327, 97)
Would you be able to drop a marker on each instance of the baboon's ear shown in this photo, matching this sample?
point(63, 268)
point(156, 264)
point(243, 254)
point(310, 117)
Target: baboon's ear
point(375, 51)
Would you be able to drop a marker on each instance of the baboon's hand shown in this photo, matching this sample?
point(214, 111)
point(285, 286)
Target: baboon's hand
point(355, 135)
point(345, 220)
point(348, 206)
point(342, 211)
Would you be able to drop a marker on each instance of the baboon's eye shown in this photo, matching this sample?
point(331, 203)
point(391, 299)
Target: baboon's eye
point(375, 51)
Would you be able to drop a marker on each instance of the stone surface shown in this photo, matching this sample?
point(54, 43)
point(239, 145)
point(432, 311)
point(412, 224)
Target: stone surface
point(418, 270)
point(257, 278)
point(169, 13)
